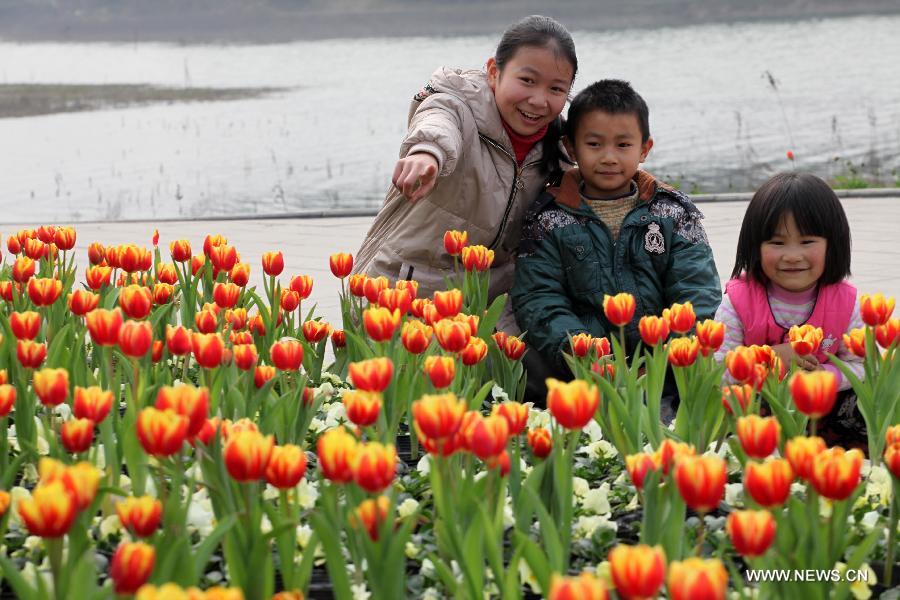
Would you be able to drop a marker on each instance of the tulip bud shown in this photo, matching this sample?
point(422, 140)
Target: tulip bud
point(438, 416)
point(441, 370)
point(487, 436)
point(370, 514)
point(769, 483)
point(836, 472)
point(681, 317)
point(135, 301)
point(161, 432)
point(51, 386)
point(453, 336)
point(341, 264)
point(357, 284)
point(805, 339)
point(711, 335)
point(50, 511)
point(855, 341)
point(619, 309)
point(374, 466)
point(814, 392)
point(373, 375)
point(455, 241)
point(135, 338)
point(875, 309)
point(701, 481)
point(76, 435)
point(637, 571)
point(477, 258)
point(516, 415)
point(336, 450)
point(751, 531)
point(286, 467)
point(697, 578)
point(638, 465)
point(247, 454)
point(800, 452)
point(758, 436)
point(739, 395)
point(891, 459)
point(97, 277)
point(653, 330)
point(44, 292)
point(104, 326)
point(585, 586)
point(683, 351)
point(186, 400)
point(416, 336)
point(30, 353)
point(395, 300)
point(540, 441)
point(362, 407)
point(315, 331)
point(887, 335)
point(140, 516)
point(7, 400)
point(131, 566)
point(448, 303)
point(226, 295)
point(25, 325)
point(208, 349)
point(572, 404)
point(178, 340)
point(273, 263)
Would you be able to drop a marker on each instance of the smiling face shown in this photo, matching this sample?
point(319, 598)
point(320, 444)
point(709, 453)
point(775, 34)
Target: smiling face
point(791, 260)
point(532, 88)
point(608, 150)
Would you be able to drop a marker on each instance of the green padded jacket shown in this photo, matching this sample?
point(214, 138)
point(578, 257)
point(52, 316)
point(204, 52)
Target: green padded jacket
point(568, 260)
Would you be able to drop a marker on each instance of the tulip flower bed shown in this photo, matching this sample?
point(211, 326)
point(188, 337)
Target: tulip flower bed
point(168, 431)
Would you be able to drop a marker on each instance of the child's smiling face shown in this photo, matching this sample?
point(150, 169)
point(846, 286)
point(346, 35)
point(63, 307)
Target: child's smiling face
point(792, 260)
point(532, 89)
point(608, 150)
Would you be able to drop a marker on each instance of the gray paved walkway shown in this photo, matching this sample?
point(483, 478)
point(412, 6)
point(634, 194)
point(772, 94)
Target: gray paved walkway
point(307, 243)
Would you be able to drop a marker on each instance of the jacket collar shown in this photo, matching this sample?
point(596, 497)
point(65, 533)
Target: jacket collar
point(568, 193)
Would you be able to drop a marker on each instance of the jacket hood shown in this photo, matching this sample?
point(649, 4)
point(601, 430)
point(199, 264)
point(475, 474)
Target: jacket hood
point(471, 86)
point(568, 193)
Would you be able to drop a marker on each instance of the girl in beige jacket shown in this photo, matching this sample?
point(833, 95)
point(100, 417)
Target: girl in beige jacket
point(480, 147)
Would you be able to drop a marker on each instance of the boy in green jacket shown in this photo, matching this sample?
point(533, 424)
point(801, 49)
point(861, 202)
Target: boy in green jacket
point(608, 228)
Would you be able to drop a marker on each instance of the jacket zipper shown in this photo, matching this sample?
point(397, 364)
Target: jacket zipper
point(512, 192)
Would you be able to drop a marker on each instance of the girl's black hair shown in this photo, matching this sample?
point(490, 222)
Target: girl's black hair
point(540, 32)
point(816, 210)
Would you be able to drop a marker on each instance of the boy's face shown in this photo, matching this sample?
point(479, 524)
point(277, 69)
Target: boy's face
point(608, 150)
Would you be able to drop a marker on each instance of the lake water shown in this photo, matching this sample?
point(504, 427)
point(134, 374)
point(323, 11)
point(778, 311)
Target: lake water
point(330, 140)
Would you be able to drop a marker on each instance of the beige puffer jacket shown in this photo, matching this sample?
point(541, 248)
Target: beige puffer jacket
point(480, 188)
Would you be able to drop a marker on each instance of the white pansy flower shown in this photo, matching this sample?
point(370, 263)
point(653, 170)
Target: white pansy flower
point(734, 494)
point(528, 577)
point(32, 543)
point(424, 465)
point(200, 516)
point(597, 500)
point(411, 550)
point(499, 394)
point(580, 486)
point(16, 495)
point(538, 418)
point(407, 507)
point(431, 593)
point(585, 526)
point(427, 568)
point(600, 449)
point(592, 429)
point(878, 483)
point(316, 425)
point(307, 494)
point(360, 592)
point(869, 520)
point(303, 533)
point(109, 526)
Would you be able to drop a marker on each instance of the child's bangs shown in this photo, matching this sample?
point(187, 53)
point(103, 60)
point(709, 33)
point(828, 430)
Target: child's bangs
point(807, 212)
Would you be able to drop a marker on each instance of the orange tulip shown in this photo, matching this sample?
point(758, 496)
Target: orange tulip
point(237, 319)
point(166, 273)
point(836, 472)
point(98, 276)
point(211, 241)
point(892, 436)
point(131, 566)
point(801, 451)
point(140, 516)
point(891, 459)
point(262, 374)
point(51, 386)
point(653, 330)
point(477, 258)
point(240, 274)
point(247, 454)
point(13, 245)
point(486, 437)
point(638, 465)
point(132, 258)
point(161, 432)
point(582, 587)
point(373, 375)
point(751, 531)
point(30, 353)
point(619, 309)
point(887, 335)
point(453, 336)
point(82, 302)
point(701, 481)
point(44, 292)
point(25, 325)
point(769, 482)
point(35, 249)
point(814, 392)
point(758, 435)
point(856, 342)
point(374, 466)
point(637, 571)
point(438, 416)
point(448, 303)
point(162, 293)
point(80, 480)
point(186, 400)
point(805, 339)
point(740, 363)
point(76, 435)
point(362, 407)
point(409, 285)
point(286, 467)
point(336, 450)
point(135, 338)
point(226, 295)
point(289, 301)
point(455, 241)
point(23, 269)
point(273, 263)
point(341, 264)
point(681, 317)
point(223, 258)
point(875, 309)
point(416, 336)
point(515, 413)
point(471, 320)
point(581, 344)
point(357, 283)
point(572, 404)
point(245, 356)
point(540, 441)
point(695, 578)
point(135, 301)
point(315, 331)
point(395, 299)
point(441, 370)
point(711, 335)
point(683, 351)
point(740, 395)
point(104, 326)
point(339, 338)
point(50, 511)
point(370, 514)
point(601, 346)
point(381, 323)
point(96, 253)
point(373, 286)
point(208, 349)
point(178, 340)
point(7, 399)
point(180, 250)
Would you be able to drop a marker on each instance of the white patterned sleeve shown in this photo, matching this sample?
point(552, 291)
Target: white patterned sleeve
point(855, 363)
point(734, 332)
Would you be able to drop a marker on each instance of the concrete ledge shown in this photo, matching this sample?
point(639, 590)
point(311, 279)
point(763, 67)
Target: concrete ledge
point(746, 196)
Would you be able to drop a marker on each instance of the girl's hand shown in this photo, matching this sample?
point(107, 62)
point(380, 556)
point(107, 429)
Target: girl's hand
point(787, 354)
point(416, 175)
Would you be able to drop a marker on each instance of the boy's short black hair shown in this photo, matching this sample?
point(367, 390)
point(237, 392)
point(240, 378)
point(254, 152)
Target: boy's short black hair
point(613, 96)
point(817, 211)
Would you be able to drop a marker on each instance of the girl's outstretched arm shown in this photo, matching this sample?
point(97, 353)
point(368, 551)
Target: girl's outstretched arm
point(415, 175)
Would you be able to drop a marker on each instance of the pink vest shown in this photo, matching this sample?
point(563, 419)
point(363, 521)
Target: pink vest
point(832, 311)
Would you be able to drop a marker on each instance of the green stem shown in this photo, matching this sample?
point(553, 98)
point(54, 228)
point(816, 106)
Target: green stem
point(54, 553)
point(892, 534)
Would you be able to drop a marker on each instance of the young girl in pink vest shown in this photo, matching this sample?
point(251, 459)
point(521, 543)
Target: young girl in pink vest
point(793, 258)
